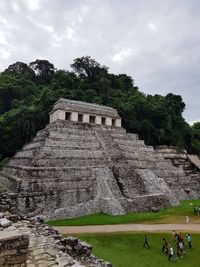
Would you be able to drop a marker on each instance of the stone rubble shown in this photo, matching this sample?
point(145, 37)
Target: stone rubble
point(47, 248)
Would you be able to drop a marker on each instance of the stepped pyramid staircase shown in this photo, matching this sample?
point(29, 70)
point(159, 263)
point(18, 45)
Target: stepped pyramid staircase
point(190, 164)
point(72, 169)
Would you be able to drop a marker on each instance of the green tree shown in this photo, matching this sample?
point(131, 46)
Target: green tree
point(12, 88)
point(195, 147)
point(27, 94)
point(43, 69)
point(88, 67)
point(20, 70)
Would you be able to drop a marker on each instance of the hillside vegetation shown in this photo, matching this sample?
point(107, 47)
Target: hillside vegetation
point(28, 92)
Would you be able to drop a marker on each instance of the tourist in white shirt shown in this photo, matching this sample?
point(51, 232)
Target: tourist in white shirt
point(171, 253)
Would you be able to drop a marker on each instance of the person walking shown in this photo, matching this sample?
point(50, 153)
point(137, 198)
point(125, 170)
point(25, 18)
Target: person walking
point(187, 219)
point(146, 244)
point(165, 246)
point(171, 253)
point(178, 253)
point(174, 234)
point(180, 244)
point(189, 240)
point(180, 238)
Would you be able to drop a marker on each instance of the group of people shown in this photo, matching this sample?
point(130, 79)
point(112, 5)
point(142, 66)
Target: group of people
point(168, 248)
point(180, 244)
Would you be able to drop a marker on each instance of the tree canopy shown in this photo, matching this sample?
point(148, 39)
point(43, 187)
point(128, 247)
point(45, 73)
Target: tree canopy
point(28, 92)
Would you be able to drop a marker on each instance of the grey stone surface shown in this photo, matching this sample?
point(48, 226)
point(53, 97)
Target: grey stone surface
point(72, 169)
point(5, 222)
point(13, 248)
point(67, 104)
point(28, 243)
point(180, 159)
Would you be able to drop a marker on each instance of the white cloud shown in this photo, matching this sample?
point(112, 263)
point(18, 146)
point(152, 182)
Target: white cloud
point(122, 54)
point(194, 121)
point(15, 6)
point(156, 42)
point(152, 26)
point(33, 4)
point(3, 40)
point(5, 54)
point(70, 33)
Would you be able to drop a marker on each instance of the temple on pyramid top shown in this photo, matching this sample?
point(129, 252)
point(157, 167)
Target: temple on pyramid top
point(78, 111)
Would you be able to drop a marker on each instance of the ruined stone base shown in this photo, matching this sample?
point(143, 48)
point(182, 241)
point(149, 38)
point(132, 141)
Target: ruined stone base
point(28, 243)
point(13, 249)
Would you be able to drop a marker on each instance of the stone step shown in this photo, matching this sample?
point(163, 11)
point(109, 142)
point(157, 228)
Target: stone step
point(42, 133)
point(150, 163)
point(9, 181)
point(65, 153)
point(123, 142)
point(32, 145)
point(25, 154)
point(49, 173)
point(146, 202)
point(38, 139)
point(170, 173)
point(56, 153)
point(71, 137)
point(140, 152)
point(115, 130)
point(72, 130)
point(125, 136)
point(20, 161)
point(45, 185)
point(60, 162)
point(80, 144)
point(84, 126)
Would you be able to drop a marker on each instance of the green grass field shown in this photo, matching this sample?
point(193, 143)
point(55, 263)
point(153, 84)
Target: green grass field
point(168, 215)
point(126, 250)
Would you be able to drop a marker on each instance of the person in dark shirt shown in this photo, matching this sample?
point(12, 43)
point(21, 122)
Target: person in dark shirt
point(146, 244)
point(165, 248)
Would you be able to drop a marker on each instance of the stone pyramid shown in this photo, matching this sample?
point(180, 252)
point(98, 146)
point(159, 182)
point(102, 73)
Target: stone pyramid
point(84, 162)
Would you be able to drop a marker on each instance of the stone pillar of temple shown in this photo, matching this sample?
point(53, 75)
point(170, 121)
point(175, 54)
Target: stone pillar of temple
point(98, 120)
point(108, 121)
point(118, 122)
point(74, 116)
point(86, 118)
point(59, 114)
point(51, 118)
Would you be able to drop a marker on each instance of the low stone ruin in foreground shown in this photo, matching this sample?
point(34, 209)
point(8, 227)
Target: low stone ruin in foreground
point(84, 162)
point(28, 243)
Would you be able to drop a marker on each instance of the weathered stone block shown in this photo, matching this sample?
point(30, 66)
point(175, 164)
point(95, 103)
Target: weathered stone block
point(5, 222)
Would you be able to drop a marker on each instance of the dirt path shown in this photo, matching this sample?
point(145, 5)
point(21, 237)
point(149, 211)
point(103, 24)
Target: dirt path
point(128, 228)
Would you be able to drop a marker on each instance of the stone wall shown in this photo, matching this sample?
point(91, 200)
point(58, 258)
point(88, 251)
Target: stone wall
point(100, 114)
point(180, 159)
point(28, 243)
point(13, 249)
point(79, 106)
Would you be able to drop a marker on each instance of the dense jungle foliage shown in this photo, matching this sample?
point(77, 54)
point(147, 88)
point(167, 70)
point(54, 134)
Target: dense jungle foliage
point(28, 92)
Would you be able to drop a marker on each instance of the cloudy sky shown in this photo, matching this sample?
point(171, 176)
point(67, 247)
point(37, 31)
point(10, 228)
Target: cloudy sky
point(156, 42)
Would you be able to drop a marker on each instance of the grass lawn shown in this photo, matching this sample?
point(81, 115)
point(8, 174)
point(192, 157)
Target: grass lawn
point(125, 250)
point(167, 215)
